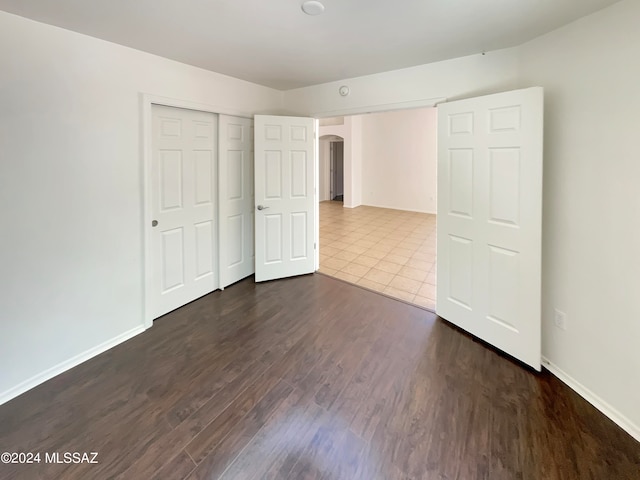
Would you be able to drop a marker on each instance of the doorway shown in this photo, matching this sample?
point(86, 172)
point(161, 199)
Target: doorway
point(386, 240)
point(489, 150)
point(331, 167)
point(336, 170)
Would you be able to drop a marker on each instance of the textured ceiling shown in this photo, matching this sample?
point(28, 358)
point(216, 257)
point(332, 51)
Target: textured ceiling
point(272, 43)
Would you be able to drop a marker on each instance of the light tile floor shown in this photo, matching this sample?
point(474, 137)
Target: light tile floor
point(388, 251)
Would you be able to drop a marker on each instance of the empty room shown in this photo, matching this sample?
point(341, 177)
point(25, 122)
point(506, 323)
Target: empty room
point(162, 310)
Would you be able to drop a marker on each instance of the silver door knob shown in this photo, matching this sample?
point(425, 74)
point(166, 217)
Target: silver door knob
point(262, 207)
point(154, 223)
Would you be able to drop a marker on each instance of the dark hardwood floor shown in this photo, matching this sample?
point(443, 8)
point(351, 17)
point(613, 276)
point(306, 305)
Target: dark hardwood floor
point(310, 378)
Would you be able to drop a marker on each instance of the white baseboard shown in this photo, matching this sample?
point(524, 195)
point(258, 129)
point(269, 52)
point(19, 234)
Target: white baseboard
point(401, 209)
point(613, 414)
point(67, 365)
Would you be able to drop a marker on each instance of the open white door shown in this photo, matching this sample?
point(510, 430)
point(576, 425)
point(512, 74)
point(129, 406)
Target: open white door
point(489, 219)
point(236, 198)
point(183, 195)
point(284, 196)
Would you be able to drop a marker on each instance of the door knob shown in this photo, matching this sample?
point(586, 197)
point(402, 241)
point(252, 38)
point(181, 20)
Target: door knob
point(154, 223)
point(262, 207)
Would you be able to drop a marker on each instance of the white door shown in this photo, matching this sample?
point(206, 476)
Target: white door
point(285, 196)
point(489, 219)
point(236, 204)
point(183, 195)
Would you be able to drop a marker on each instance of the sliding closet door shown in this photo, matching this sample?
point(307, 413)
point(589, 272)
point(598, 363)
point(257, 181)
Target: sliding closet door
point(183, 247)
point(237, 259)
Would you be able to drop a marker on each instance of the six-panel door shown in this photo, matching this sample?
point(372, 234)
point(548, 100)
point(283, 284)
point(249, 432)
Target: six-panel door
point(184, 195)
point(237, 256)
point(284, 196)
point(489, 219)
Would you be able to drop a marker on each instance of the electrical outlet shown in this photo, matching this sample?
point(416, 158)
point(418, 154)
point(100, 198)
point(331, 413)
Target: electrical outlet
point(560, 319)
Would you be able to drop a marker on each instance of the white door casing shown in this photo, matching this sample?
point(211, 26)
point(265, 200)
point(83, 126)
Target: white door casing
point(236, 204)
point(285, 150)
point(183, 248)
point(489, 219)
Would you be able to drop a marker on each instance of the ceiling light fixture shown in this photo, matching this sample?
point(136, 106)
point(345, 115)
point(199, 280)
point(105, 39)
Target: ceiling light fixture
point(312, 7)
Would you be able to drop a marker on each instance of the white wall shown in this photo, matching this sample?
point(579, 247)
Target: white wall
point(71, 189)
point(353, 163)
point(324, 168)
point(338, 155)
point(461, 77)
point(399, 159)
point(591, 227)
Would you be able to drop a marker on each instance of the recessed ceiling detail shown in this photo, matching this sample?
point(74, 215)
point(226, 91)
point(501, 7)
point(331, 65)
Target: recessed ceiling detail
point(271, 43)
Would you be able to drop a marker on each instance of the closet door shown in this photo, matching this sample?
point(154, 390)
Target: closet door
point(237, 259)
point(183, 248)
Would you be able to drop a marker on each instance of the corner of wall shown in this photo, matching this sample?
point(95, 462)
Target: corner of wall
point(590, 259)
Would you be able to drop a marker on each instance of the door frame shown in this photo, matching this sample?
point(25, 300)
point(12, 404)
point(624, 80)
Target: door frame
point(372, 108)
point(146, 102)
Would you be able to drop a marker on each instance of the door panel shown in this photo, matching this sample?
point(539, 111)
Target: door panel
point(489, 219)
point(273, 238)
point(183, 180)
point(170, 180)
point(285, 196)
point(461, 182)
point(172, 264)
point(459, 266)
point(299, 239)
point(237, 259)
point(204, 254)
point(203, 176)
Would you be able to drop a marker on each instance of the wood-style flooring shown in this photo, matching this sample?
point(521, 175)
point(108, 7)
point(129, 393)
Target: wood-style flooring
point(310, 378)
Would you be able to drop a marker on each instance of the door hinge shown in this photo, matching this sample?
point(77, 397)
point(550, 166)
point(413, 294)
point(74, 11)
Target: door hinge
point(314, 246)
